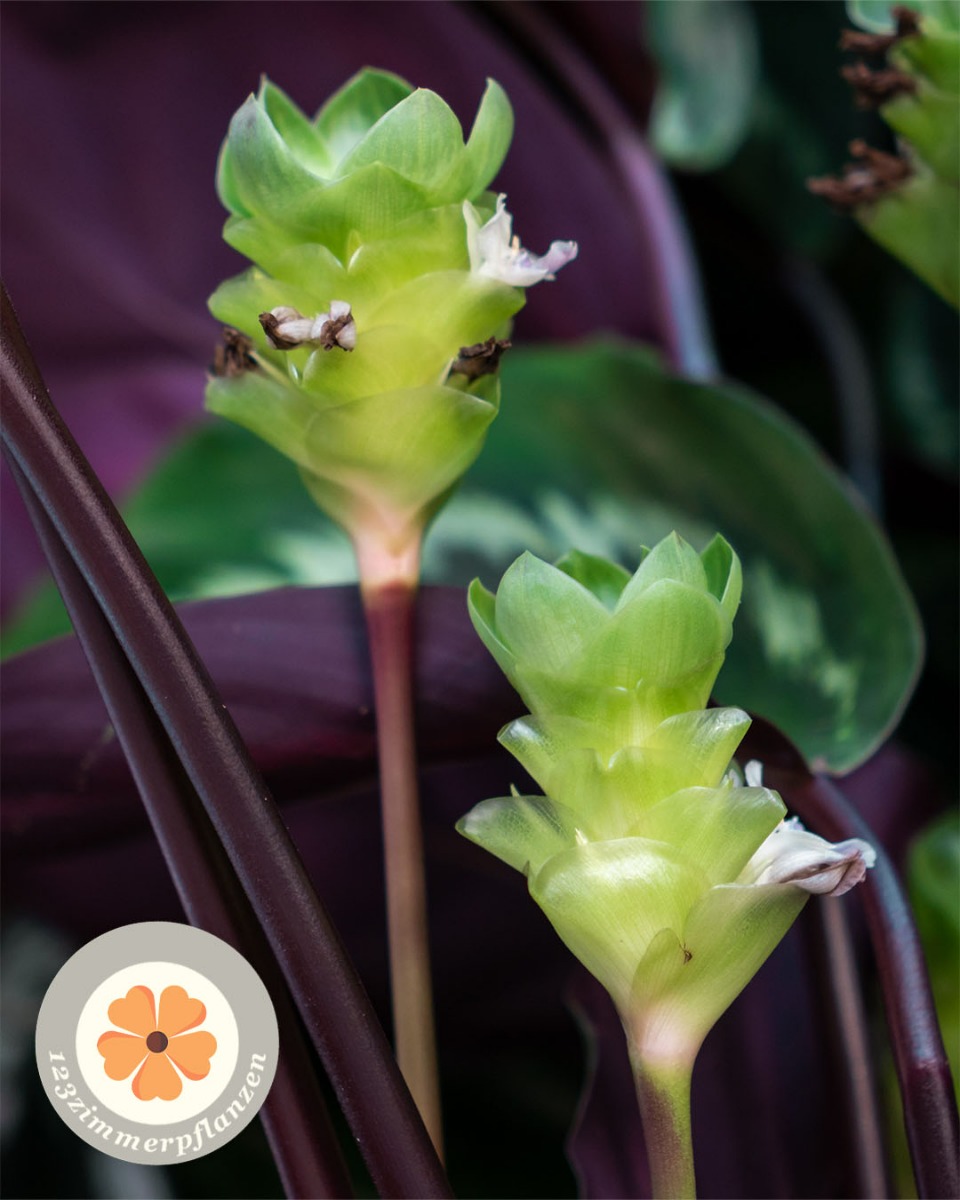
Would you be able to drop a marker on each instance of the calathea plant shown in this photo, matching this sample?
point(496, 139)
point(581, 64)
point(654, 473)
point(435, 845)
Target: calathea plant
point(667, 871)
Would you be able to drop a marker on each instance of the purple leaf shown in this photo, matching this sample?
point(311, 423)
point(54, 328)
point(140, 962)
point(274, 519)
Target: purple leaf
point(292, 669)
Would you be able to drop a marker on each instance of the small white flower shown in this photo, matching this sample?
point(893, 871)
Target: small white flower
point(495, 254)
point(335, 328)
point(286, 328)
point(790, 854)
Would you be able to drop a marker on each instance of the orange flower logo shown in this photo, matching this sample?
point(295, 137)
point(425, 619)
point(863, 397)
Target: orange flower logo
point(157, 1042)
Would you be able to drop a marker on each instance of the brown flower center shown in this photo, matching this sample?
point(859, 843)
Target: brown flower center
point(157, 1042)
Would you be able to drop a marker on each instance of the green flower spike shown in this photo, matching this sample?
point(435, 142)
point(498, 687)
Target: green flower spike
point(669, 875)
point(383, 274)
point(909, 202)
point(364, 343)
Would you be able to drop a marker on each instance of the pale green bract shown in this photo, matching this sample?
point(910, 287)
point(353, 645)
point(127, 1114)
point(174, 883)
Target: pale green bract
point(360, 213)
point(664, 872)
point(919, 220)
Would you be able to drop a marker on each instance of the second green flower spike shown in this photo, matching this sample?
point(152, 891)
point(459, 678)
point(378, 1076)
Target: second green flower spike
point(669, 873)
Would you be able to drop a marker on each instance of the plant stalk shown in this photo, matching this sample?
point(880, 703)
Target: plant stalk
point(294, 1114)
point(663, 1092)
point(388, 585)
point(335, 1009)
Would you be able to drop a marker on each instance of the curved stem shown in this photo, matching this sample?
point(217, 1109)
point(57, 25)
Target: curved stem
point(850, 1046)
point(663, 1092)
point(923, 1072)
point(294, 1114)
point(389, 589)
point(327, 991)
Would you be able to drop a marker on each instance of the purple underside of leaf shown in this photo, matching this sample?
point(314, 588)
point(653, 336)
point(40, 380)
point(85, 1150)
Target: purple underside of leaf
point(291, 666)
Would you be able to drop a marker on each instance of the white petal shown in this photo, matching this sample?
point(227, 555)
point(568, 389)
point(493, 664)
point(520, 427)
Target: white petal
point(753, 773)
point(792, 855)
point(472, 219)
point(316, 327)
point(495, 254)
point(347, 337)
point(339, 308)
point(296, 329)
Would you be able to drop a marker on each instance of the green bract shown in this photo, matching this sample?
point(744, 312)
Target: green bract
point(361, 211)
point(651, 858)
point(918, 221)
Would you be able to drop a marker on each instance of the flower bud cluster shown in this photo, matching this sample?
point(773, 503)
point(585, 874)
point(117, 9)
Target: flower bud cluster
point(667, 874)
point(378, 258)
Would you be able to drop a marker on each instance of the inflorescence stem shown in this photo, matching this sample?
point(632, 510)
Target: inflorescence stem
point(389, 589)
point(663, 1092)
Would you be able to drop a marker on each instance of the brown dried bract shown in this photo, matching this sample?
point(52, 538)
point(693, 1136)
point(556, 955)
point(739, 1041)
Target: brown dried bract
point(873, 174)
point(483, 358)
point(233, 355)
point(269, 324)
point(873, 88)
point(908, 25)
point(330, 333)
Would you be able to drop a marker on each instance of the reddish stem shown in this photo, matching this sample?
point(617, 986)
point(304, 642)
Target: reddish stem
point(389, 587)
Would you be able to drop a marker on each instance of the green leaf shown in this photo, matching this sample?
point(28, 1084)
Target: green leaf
point(400, 449)
point(716, 829)
point(489, 141)
point(258, 172)
point(930, 120)
point(708, 62)
point(481, 604)
point(349, 113)
point(368, 204)
point(420, 138)
point(671, 558)
point(280, 415)
point(543, 615)
point(919, 224)
point(670, 635)
point(724, 574)
point(523, 831)
point(606, 580)
point(299, 133)
point(609, 900)
point(597, 447)
point(936, 57)
point(455, 308)
point(689, 982)
point(877, 15)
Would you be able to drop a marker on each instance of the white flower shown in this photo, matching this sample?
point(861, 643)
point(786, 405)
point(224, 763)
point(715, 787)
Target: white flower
point(792, 855)
point(495, 254)
point(335, 328)
point(286, 328)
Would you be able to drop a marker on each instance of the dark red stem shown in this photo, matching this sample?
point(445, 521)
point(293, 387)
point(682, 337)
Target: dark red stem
point(390, 613)
point(294, 1114)
point(926, 1087)
point(852, 1070)
point(325, 987)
